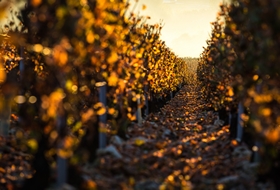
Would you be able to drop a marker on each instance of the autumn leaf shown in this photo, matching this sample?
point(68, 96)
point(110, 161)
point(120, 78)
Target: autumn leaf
point(90, 37)
point(60, 55)
point(144, 7)
point(139, 141)
point(32, 143)
point(113, 79)
point(100, 108)
point(113, 58)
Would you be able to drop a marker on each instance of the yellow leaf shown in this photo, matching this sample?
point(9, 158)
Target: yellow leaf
point(101, 4)
point(122, 84)
point(233, 27)
point(51, 103)
point(63, 153)
point(150, 77)
point(32, 143)
point(38, 48)
point(144, 7)
point(90, 37)
point(137, 75)
point(68, 85)
point(204, 172)
point(60, 55)
point(63, 58)
point(139, 55)
point(220, 187)
point(77, 126)
point(91, 185)
point(139, 142)
point(109, 29)
point(263, 98)
point(255, 77)
point(68, 142)
point(87, 115)
point(230, 91)
point(111, 111)
point(101, 111)
point(105, 75)
point(204, 140)
point(131, 181)
point(113, 58)
point(60, 12)
point(113, 79)
point(2, 170)
point(273, 135)
point(131, 117)
point(100, 108)
point(266, 112)
point(170, 178)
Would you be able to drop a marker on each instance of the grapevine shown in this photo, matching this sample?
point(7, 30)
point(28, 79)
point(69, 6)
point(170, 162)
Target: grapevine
point(68, 50)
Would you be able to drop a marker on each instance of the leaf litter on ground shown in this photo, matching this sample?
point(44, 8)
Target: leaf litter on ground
point(181, 147)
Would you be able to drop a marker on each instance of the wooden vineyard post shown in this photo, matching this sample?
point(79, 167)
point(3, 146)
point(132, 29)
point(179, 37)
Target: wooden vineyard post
point(102, 89)
point(258, 144)
point(233, 120)
point(21, 75)
point(239, 122)
point(8, 89)
point(21, 63)
point(139, 112)
point(256, 149)
point(146, 100)
point(61, 171)
point(229, 117)
point(61, 160)
point(5, 113)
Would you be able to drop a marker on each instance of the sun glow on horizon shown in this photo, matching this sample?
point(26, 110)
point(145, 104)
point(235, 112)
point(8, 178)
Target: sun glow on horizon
point(186, 23)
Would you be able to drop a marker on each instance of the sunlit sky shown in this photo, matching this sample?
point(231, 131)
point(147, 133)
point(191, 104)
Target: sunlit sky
point(186, 22)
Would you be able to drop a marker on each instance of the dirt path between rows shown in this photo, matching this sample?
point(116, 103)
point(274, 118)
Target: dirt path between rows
point(181, 147)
